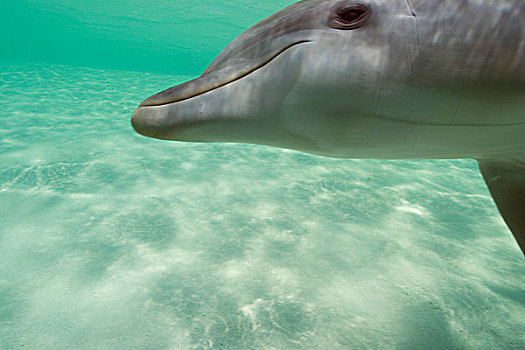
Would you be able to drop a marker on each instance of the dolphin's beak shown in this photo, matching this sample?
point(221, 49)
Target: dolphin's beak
point(159, 115)
point(149, 119)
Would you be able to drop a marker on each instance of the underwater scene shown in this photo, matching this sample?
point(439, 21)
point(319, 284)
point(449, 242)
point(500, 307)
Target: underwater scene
point(111, 240)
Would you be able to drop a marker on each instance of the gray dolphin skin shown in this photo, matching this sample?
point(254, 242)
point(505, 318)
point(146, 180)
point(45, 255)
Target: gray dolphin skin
point(384, 79)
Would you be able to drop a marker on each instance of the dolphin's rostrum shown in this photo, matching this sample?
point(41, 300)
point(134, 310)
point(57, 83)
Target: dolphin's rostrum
point(387, 79)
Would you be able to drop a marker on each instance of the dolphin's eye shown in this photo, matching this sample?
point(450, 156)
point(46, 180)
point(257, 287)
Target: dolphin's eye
point(350, 17)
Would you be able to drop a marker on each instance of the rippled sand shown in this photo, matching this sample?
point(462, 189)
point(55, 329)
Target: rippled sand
point(109, 240)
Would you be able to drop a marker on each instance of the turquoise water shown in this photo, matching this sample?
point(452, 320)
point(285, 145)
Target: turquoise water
point(109, 240)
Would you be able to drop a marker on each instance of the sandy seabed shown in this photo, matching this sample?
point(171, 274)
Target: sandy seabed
point(109, 240)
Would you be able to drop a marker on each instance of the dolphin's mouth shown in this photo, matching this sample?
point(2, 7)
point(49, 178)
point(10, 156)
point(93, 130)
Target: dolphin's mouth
point(210, 81)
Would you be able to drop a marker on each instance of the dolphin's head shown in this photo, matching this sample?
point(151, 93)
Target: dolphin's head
point(319, 75)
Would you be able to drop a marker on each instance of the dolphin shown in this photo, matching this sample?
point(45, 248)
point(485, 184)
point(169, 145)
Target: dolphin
point(384, 79)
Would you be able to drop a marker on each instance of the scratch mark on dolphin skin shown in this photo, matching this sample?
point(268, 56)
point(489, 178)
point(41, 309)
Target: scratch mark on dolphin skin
point(416, 33)
point(458, 103)
point(411, 8)
point(379, 95)
point(416, 25)
point(409, 54)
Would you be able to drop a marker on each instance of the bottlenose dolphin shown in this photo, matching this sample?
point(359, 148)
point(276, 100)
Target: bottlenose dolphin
point(388, 79)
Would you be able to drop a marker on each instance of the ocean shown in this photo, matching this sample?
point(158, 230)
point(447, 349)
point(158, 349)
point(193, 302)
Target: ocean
point(110, 240)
